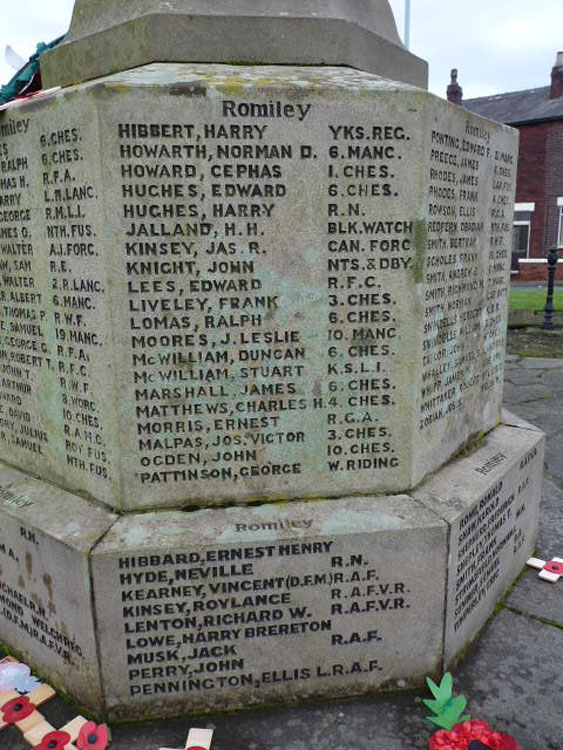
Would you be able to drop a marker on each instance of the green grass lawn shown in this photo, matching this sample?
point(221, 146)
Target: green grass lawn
point(534, 299)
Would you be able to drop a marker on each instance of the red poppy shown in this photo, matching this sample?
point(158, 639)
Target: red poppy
point(462, 735)
point(93, 737)
point(53, 741)
point(17, 709)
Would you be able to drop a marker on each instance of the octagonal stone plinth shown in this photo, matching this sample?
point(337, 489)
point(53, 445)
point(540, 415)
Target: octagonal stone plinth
point(490, 500)
point(226, 608)
point(46, 614)
point(234, 283)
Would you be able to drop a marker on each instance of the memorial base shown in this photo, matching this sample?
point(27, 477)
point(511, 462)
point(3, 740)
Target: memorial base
point(234, 607)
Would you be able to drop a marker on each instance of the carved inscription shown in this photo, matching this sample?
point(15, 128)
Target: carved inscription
point(317, 612)
point(77, 291)
point(493, 538)
point(28, 604)
point(24, 349)
point(248, 295)
point(466, 269)
point(53, 302)
point(248, 359)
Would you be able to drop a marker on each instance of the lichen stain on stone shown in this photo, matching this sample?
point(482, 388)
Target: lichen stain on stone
point(266, 511)
point(230, 86)
point(48, 581)
point(420, 242)
point(360, 522)
point(109, 89)
point(21, 582)
point(189, 90)
point(36, 599)
point(39, 103)
point(29, 563)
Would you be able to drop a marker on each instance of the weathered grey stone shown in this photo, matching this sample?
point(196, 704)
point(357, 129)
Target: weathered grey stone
point(513, 655)
point(491, 501)
point(537, 598)
point(519, 376)
point(511, 420)
point(225, 608)
point(45, 594)
point(279, 283)
point(521, 394)
point(240, 283)
point(107, 36)
point(551, 520)
point(553, 378)
point(541, 363)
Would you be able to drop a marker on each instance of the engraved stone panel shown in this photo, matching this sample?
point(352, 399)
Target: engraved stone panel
point(45, 595)
point(491, 501)
point(221, 608)
point(282, 282)
point(57, 403)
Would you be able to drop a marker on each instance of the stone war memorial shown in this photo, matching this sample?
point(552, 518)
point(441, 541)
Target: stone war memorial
point(253, 305)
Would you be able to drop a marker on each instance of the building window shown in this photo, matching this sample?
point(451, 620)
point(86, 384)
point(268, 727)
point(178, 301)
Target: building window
point(521, 238)
point(560, 225)
point(523, 213)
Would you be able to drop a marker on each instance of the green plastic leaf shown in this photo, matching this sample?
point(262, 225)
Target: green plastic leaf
point(445, 723)
point(442, 693)
point(448, 709)
point(435, 706)
point(451, 713)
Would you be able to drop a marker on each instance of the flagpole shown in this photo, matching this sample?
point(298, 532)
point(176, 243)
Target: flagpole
point(407, 23)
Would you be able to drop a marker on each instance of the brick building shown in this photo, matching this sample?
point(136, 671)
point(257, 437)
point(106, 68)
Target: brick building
point(538, 212)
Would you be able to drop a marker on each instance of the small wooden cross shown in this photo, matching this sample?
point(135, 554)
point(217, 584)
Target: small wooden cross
point(34, 726)
point(549, 571)
point(198, 739)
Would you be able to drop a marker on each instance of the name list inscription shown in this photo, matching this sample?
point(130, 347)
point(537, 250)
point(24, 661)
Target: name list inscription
point(201, 621)
point(470, 215)
point(234, 376)
point(232, 294)
point(51, 296)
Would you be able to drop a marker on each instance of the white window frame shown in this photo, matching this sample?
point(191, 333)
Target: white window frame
point(529, 208)
point(524, 224)
point(560, 224)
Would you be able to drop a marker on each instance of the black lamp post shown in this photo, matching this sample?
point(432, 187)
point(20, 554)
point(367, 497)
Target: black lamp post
point(548, 311)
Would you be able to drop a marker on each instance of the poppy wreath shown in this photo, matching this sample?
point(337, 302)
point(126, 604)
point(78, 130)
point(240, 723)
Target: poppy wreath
point(472, 735)
point(93, 737)
point(460, 732)
point(53, 741)
point(17, 709)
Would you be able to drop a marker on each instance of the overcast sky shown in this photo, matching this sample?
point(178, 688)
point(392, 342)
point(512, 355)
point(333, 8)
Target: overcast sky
point(497, 45)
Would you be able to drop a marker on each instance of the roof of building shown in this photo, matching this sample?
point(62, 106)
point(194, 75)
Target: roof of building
point(518, 107)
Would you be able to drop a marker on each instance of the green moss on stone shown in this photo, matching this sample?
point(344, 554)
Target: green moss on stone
point(420, 248)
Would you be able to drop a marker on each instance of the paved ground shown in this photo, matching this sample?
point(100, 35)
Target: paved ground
point(513, 676)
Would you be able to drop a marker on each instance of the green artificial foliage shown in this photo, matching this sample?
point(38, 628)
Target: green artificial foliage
point(447, 709)
point(24, 76)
